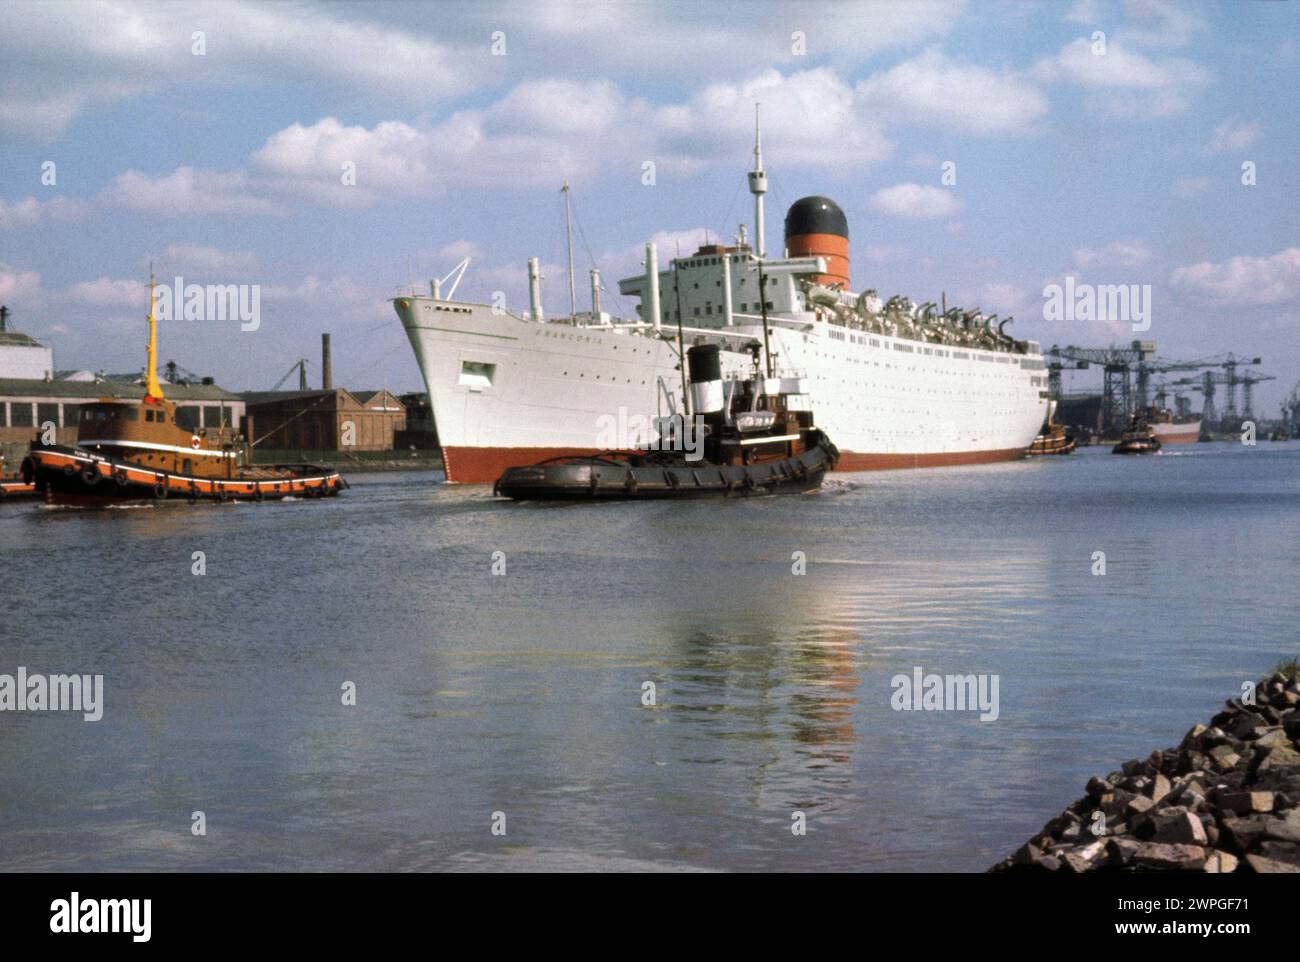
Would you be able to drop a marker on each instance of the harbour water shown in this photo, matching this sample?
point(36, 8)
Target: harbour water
point(521, 693)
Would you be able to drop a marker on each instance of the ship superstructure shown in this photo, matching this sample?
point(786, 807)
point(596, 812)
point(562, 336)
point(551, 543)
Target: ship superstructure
point(892, 383)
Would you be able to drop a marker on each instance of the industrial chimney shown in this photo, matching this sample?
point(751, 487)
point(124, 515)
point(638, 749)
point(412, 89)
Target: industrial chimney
point(326, 364)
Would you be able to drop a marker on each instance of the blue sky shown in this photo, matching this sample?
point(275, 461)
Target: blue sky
point(1118, 166)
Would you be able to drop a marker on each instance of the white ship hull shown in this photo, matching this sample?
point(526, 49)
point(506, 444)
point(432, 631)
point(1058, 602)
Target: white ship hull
point(507, 391)
point(1172, 432)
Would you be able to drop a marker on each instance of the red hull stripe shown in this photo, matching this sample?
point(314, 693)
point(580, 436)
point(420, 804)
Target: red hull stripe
point(485, 465)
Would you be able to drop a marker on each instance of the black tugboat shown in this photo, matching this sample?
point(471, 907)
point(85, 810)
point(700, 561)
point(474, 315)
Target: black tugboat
point(1138, 438)
point(749, 437)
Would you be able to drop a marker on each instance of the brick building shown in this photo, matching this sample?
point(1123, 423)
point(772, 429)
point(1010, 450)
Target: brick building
point(324, 420)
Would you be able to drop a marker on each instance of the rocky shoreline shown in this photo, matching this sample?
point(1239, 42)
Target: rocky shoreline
point(1226, 799)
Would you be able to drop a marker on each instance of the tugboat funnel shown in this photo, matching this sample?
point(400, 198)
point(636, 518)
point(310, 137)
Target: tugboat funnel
point(705, 366)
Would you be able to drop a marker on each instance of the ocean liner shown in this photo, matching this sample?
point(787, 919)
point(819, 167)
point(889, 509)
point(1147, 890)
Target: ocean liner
point(892, 383)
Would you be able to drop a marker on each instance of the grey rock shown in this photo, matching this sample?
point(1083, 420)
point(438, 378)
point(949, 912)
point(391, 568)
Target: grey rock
point(1267, 866)
point(1098, 786)
point(1158, 788)
point(1243, 802)
point(1178, 857)
point(1178, 825)
point(1279, 759)
point(1241, 834)
point(1221, 863)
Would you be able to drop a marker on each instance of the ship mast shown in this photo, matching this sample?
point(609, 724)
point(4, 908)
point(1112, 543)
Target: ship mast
point(153, 391)
point(568, 231)
point(758, 185)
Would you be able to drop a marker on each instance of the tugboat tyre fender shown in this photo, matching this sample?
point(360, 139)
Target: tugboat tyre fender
point(28, 470)
point(69, 470)
point(257, 492)
point(120, 477)
point(160, 489)
point(90, 475)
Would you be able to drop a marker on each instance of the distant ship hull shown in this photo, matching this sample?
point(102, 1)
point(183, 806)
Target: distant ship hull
point(507, 391)
point(1176, 432)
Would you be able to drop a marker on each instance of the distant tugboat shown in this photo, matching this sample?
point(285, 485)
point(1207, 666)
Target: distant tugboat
point(758, 438)
point(1138, 438)
point(130, 451)
point(1052, 439)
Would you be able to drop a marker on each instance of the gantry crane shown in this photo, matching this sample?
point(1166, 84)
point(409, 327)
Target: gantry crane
point(1208, 383)
point(1291, 412)
point(1126, 375)
point(1116, 363)
point(301, 367)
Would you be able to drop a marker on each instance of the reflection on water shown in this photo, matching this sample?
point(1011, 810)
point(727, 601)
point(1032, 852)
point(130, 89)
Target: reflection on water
point(523, 694)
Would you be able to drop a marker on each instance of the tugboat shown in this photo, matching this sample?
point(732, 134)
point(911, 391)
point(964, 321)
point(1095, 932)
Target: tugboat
point(136, 451)
point(21, 485)
point(1052, 439)
point(1138, 438)
point(750, 437)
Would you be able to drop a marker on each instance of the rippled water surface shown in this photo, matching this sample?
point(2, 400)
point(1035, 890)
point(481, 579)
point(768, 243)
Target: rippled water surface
point(522, 693)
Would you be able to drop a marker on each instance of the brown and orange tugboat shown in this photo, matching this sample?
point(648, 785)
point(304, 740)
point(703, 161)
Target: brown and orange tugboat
point(751, 437)
point(1052, 439)
point(136, 451)
point(16, 486)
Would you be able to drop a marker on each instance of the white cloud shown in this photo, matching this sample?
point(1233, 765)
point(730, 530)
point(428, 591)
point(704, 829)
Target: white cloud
point(684, 40)
point(59, 59)
point(187, 191)
point(311, 289)
point(18, 286)
point(1122, 82)
point(454, 252)
point(1003, 299)
point(1244, 279)
point(1085, 12)
point(204, 257)
point(1126, 253)
point(933, 89)
point(106, 292)
point(543, 130)
point(1161, 23)
point(29, 210)
point(915, 201)
point(1232, 135)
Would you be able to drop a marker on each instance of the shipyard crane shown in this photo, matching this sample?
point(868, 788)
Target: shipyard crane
point(173, 373)
point(1231, 379)
point(1291, 412)
point(1127, 371)
point(1116, 364)
point(1182, 405)
point(1208, 383)
point(301, 367)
